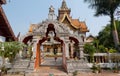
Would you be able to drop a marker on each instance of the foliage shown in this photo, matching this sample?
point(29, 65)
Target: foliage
point(105, 38)
point(101, 49)
point(96, 68)
point(75, 73)
point(30, 51)
point(106, 7)
point(112, 50)
point(10, 49)
point(98, 47)
point(89, 49)
point(4, 69)
point(103, 7)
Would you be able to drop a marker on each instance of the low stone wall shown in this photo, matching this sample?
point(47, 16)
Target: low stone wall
point(104, 65)
point(77, 65)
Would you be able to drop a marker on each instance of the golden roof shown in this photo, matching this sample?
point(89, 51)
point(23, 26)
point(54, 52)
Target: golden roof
point(75, 23)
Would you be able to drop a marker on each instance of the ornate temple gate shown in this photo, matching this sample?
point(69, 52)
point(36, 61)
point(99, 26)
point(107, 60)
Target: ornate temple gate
point(39, 43)
point(62, 34)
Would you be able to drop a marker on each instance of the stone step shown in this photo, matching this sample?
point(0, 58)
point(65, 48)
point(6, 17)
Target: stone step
point(31, 65)
point(47, 74)
point(16, 70)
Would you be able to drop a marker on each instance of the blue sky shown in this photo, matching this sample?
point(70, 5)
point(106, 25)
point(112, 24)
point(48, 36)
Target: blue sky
point(22, 13)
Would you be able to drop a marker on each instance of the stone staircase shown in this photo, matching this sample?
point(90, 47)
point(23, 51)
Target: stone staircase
point(49, 71)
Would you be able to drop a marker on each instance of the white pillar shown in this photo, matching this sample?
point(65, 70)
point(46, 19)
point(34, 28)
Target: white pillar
point(67, 49)
point(81, 50)
point(72, 48)
point(34, 50)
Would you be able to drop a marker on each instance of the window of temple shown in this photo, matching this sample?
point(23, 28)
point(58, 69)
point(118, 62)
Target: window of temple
point(55, 50)
point(48, 39)
point(48, 49)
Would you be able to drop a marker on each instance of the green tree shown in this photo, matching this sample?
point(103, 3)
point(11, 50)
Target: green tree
point(104, 36)
point(107, 7)
point(90, 49)
point(96, 44)
point(102, 49)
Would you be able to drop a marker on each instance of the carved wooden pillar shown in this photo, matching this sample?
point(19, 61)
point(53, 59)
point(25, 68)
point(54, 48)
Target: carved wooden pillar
point(37, 59)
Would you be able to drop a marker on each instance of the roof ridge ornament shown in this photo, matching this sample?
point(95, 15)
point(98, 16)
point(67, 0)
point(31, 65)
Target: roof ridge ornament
point(51, 9)
point(51, 15)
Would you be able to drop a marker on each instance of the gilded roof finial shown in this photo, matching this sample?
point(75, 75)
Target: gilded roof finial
point(64, 5)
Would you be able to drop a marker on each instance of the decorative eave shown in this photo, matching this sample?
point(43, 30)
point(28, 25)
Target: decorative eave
point(5, 27)
point(66, 16)
point(83, 29)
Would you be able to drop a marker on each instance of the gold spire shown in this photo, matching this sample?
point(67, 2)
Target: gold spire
point(64, 5)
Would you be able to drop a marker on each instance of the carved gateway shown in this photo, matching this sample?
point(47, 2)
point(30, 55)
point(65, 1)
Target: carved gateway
point(61, 31)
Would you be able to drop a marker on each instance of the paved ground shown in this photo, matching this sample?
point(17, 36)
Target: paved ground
point(52, 70)
point(50, 67)
point(60, 74)
point(51, 61)
point(105, 73)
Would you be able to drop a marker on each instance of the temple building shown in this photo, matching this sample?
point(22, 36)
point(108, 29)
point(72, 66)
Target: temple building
point(59, 35)
point(6, 32)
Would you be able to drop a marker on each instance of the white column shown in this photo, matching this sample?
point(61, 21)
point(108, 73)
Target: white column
point(35, 40)
point(81, 51)
point(72, 48)
point(34, 50)
point(67, 49)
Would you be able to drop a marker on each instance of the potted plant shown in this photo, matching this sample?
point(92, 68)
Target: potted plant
point(75, 73)
point(95, 68)
point(116, 69)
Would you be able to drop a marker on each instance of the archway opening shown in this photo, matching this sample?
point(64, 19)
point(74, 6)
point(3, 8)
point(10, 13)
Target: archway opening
point(26, 39)
point(74, 51)
point(50, 50)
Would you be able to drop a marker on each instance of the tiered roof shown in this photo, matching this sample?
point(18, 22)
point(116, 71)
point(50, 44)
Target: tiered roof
point(64, 13)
